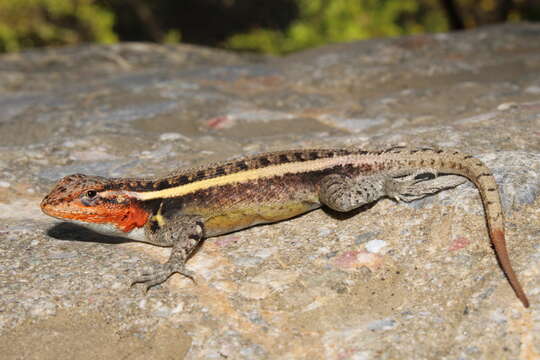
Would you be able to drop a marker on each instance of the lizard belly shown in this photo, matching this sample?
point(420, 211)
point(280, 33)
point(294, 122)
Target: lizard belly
point(221, 221)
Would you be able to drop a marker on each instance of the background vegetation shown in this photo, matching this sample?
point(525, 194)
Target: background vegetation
point(269, 26)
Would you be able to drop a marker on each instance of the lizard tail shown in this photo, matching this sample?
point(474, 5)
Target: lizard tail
point(497, 238)
point(455, 162)
point(476, 171)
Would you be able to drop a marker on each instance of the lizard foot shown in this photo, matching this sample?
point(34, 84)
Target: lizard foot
point(160, 273)
point(414, 187)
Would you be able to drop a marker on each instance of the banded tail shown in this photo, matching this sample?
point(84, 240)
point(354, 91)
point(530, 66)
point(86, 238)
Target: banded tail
point(477, 172)
point(489, 192)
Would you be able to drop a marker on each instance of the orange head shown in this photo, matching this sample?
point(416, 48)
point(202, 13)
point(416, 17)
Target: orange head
point(94, 200)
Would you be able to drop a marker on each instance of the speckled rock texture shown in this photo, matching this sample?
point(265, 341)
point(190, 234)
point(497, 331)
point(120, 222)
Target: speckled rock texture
point(394, 281)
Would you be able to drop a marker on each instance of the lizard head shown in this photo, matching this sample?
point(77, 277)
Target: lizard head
point(94, 202)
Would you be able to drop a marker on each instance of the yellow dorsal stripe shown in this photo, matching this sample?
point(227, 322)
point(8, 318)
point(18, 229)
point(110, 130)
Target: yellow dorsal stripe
point(247, 175)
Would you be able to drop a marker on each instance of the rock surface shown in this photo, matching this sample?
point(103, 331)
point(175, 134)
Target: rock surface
point(407, 281)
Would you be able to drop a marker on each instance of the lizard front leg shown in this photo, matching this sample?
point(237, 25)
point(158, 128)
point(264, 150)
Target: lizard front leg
point(183, 233)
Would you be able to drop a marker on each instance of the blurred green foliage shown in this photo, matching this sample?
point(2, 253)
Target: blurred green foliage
point(31, 23)
point(324, 21)
point(268, 26)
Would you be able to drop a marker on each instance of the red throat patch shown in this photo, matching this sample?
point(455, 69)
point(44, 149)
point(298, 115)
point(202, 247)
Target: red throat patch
point(134, 217)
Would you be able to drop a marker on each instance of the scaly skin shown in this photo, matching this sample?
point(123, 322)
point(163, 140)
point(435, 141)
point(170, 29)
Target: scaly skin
point(230, 196)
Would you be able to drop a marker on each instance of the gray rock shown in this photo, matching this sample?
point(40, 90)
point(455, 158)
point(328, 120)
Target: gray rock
point(304, 288)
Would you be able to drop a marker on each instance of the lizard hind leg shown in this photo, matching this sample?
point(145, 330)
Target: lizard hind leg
point(342, 193)
point(183, 233)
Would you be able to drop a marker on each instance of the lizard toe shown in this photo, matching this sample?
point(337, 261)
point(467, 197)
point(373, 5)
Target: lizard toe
point(159, 274)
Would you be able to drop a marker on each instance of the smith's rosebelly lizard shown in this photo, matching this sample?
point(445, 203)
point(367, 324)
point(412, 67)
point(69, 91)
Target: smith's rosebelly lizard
point(181, 209)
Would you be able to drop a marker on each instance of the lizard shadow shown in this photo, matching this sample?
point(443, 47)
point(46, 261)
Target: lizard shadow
point(72, 232)
point(349, 214)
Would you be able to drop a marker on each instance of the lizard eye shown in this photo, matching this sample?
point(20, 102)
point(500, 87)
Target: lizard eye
point(88, 197)
point(91, 194)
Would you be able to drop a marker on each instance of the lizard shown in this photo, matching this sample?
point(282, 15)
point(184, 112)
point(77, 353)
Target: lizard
point(189, 205)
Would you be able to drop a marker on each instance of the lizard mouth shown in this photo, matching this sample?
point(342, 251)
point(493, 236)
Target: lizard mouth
point(73, 215)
